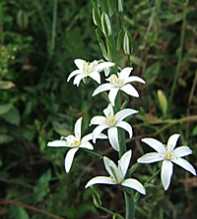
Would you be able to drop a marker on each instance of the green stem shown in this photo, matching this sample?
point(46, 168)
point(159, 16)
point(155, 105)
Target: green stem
point(54, 24)
point(109, 211)
point(180, 54)
point(130, 206)
point(129, 201)
point(94, 154)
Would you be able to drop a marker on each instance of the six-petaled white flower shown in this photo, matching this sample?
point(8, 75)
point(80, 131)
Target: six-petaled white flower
point(117, 174)
point(169, 155)
point(74, 142)
point(121, 81)
point(111, 122)
point(88, 69)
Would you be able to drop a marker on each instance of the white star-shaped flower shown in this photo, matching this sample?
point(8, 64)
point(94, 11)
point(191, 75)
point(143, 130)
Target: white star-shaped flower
point(88, 69)
point(121, 81)
point(117, 174)
point(112, 122)
point(168, 155)
point(74, 142)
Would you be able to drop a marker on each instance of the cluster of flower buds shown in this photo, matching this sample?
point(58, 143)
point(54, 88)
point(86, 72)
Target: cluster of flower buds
point(111, 122)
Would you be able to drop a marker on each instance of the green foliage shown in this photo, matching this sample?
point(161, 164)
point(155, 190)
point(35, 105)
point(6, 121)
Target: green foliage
point(17, 212)
point(38, 42)
point(42, 187)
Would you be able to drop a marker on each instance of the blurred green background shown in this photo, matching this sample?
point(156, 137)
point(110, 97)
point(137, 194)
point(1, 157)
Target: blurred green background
point(38, 42)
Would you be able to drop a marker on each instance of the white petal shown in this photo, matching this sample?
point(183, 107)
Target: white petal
point(172, 141)
point(78, 79)
point(72, 74)
point(182, 151)
point(108, 111)
point(125, 72)
point(79, 63)
point(98, 120)
point(112, 95)
point(184, 164)
point(113, 138)
point(57, 143)
point(102, 136)
point(150, 158)
point(89, 137)
point(135, 79)
point(97, 131)
point(124, 161)
point(78, 128)
point(69, 140)
point(122, 114)
point(107, 72)
point(134, 184)
point(96, 76)
point(130, 90)
point(155, 144)
point(126, 127)
point(166, 173)
point(102, 88)
point(104, 65)
point(87, 145)
point(110, 166)
point(69, 158)
point(100, 180)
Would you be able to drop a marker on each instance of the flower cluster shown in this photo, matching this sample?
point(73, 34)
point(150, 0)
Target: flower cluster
point(110, 123)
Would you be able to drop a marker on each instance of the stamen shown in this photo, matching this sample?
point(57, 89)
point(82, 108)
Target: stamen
point(88, 68)
point(168, 155)
point(117, 82)
point(75, 143)
point(111, 121)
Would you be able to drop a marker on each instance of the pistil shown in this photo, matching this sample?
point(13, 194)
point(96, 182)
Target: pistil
point(111, 121)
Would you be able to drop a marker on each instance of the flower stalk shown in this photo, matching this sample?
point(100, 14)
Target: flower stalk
point(129, 200)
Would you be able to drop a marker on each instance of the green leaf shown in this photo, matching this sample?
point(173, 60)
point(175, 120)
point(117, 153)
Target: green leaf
point(96, 198)
point(171, 18)
point(12, 116)
point(120, 5)
point(111, 7)
point(101, 44)
point(42, 187)
point(4, 139)
point(136, 60)
point(61, 129)
point(4, 108)
point(17, 213)
point(22, 19)
point(152, 72)
point(194, 131)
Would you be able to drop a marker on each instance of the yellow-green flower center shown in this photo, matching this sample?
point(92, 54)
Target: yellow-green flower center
point(87, 68)
point(168, 155)
point(111, 120)
point(75, 143)
point(117, 82)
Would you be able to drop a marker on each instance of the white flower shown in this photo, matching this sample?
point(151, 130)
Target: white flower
point(111, 122)
point(117, 174)
point(74, 142)
point(169, 155)
point(88, 69)
point(121, 81)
